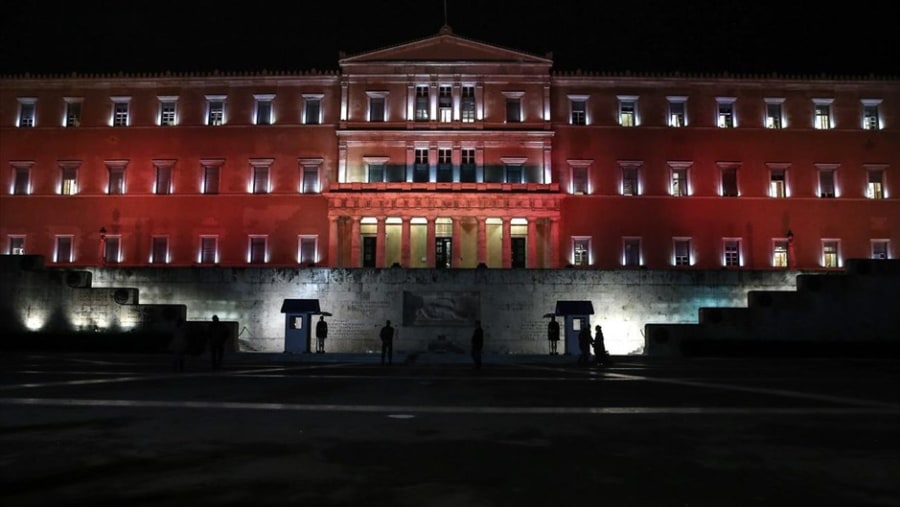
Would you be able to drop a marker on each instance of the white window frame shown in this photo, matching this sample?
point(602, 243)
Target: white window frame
point(778, 122)
point(68, 186)
point(635, 114)
point(580, 165)
point(20, 183)
point(676, 258)
point(629, 242)
point(257, 165)
point(626, 166)
point(880, 248)
point(781, 251)
point(166, 117)
point(207, 241)
point(57, 255)
point(866, 121)
point(725, 110)
point(676, 167)
point(211, 167)
point(727, 253)
point(673, 118)
point(16, 244)
point(822, 169)
point(73, 112)
point(587, 253)
point(121, 112)
point(817, 119)
point(773, 190)
point(308, 100)
point(214, 116)
point(370, 113)
point(264, 105)
point(304, 240)
point(116, 167)
point(26, 117)
point(728, 166)
point(164, 177)
point(253, 242)
point(165, 247)
point(307, 165)
point(582, 118)
point(876, 190)
point(827, 261)
point(510, 98)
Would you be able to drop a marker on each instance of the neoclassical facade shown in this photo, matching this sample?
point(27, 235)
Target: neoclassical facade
point(447, 152)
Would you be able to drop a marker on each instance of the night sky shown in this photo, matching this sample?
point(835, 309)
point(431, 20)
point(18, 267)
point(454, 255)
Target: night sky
point(40, 36)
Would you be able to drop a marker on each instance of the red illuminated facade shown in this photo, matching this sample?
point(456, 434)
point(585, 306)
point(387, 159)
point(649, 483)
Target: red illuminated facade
point(447, 152)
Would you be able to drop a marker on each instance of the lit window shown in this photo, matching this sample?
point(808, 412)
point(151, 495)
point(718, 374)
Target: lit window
point(871, 119)
point(514, 106)
point(875, 183)
point(63, 253)
point(257, 250)
point(26, 111)
point(468, 171)
point(22, 179)
point(312, 108)
point(780, 253)
point(578, 107)
point(215, 110)
point(211, 172)
point(630, 180)
point(467, 104)
point(121, 111)
point(445, 165)
point(631, 252)
point(445, 104)
point(725, 115)
point(263, 111)
point(116, 183)
point(68, 179)
point(831, 253)
point(167, 111)
point(163, 177)
point(73, 112)
point(774, 113)
point(209, 250)
point(729, 181)
point(377, 106)
point(777, 180)
point(159, 250)
point(682, 251)
point(422, 103)
point(881, 248)
point(309, 175)
point(307, 250)
point(628, 110)
point(677, 111)
point(827, 181)
point(732, 252)
point(16, 245)
point(679, 175)
point(581, 251)
point(420, 166)
point(822, 118)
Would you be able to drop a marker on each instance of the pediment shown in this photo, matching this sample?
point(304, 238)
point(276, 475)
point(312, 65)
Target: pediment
point(445, 47)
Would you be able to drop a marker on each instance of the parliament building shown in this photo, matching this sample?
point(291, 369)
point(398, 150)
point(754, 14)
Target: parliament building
point(447, 152)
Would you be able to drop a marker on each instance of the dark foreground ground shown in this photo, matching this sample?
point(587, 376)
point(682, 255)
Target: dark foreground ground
point(330, 430)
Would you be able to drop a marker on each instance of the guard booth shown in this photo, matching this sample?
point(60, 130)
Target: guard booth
point(576, 314)
point(298, 323)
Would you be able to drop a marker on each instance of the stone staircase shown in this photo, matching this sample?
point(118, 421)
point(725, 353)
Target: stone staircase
point(852, 312)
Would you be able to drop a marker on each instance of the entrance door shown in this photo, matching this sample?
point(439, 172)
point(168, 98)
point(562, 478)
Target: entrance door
point(368, 253)
point(443, 252)
point(518, 252)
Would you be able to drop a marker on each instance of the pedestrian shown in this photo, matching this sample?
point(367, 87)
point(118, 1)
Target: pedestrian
point(321, 334)
point(601, 356)
point(553, 335)
point(477, 344)
point(217, 335)
point(584, 343)
point(179, 345)
point(387, 343)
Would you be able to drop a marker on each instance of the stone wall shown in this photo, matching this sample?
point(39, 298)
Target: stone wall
point(510, 302)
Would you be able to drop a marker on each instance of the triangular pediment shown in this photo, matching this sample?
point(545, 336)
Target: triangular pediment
point(445, 47)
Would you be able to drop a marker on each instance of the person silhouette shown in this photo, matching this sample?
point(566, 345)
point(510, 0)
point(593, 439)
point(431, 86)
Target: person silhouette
point(584, 343)
point(553, 335)
point(601, 356)
point(217, 336)
point(387, 343)
point(321, 334)
point(477, 344)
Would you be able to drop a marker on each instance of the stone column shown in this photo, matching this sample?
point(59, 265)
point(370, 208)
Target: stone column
point(555, 244)
point(506, 244)
point(429, 242)
point(405, 242)
point(355, 243)
point(532, 260)
point(482, 241)
point(380, 240)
